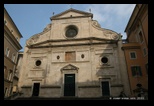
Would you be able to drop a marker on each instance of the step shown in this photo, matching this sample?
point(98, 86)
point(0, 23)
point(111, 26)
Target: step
point(61, 98)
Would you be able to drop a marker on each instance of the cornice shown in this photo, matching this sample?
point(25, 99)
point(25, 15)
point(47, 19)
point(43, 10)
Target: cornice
point(73, 42)
point(130, 47)
point(5, 11)
point(71, 10)
point(11, 37)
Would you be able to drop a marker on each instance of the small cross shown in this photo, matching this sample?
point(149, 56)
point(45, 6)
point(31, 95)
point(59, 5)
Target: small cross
point(89, 10)
point(70, 5)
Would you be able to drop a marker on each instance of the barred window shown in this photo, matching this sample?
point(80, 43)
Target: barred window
point(10, 75)
point(132, 55)
point(5, 69)
point(146, 66)
point(136, 71)
point(7, 52)
point(140, 36)
point(13, 57)
point(5, 22)
point(144, 51)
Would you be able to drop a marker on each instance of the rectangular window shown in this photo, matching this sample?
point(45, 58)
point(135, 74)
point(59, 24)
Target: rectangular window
point(17, 38)
point(11, 90)
point(11, 30)
point(4, 69)
point(128, 31)
point(144, 51)
point(5, 22)
point(14, 88)
point(132, 55)
point(5, 92)
point(146, 66)
point(140, 36)
point(13, 57)
point(10, 75)
point(136, 71)
point(70, 56)
point(7, 52)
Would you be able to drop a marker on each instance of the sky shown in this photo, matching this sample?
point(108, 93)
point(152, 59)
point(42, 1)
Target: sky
point(31, 19)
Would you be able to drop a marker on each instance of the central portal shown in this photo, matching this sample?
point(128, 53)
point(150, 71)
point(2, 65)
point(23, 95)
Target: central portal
point(36, 87)
point(69, 85)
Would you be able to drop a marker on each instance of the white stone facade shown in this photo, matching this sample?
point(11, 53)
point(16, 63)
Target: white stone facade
point(72, 66)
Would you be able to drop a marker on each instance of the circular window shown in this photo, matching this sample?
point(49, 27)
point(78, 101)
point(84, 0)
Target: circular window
point(104, 60)
point(82, 56)
point(71, 31)
point(38, 63)
point(58, 57)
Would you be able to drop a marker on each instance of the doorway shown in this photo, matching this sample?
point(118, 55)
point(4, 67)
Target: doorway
point(105, 88)
point(69, 85)
point(36, 88)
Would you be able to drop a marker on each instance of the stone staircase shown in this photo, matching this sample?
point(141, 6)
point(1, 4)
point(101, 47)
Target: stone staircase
point(61, 98)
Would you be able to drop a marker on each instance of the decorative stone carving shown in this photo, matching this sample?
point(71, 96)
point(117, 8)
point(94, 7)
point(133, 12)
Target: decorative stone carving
point(114, 36)
point(96, 24)
point(29, 42)
point(33, 39)
point(111, 34)
point(107, 33)
point(70, 67)
point(47, 27)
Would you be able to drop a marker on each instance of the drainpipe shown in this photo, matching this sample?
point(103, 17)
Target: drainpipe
point(127, 72)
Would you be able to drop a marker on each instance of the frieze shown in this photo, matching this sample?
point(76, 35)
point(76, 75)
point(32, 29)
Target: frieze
point(33, 39)
point(108, 33)
point(70, 67)
point(48, 27)
point(96, 24)
point(111, 34)
point(114, 36)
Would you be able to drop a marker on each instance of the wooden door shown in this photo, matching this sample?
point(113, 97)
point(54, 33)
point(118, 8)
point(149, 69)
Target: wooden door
point(69, 85)
point(105, 88)
point(36, 88)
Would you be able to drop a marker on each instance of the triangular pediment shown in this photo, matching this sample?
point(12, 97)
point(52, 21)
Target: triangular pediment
point(71, 13)
point(70, 67)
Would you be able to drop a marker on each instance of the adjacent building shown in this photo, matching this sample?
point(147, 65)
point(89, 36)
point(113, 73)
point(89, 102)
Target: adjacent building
point(17, 72)
point(74, 57)
point(12, 38)
point(136, 50)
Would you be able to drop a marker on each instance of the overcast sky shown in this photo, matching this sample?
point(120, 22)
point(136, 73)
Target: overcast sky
point(31, 19)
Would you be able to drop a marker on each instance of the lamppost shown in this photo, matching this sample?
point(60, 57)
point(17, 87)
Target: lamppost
point(139, 85)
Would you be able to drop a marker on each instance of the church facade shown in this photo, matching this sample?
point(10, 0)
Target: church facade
point(74, 57)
